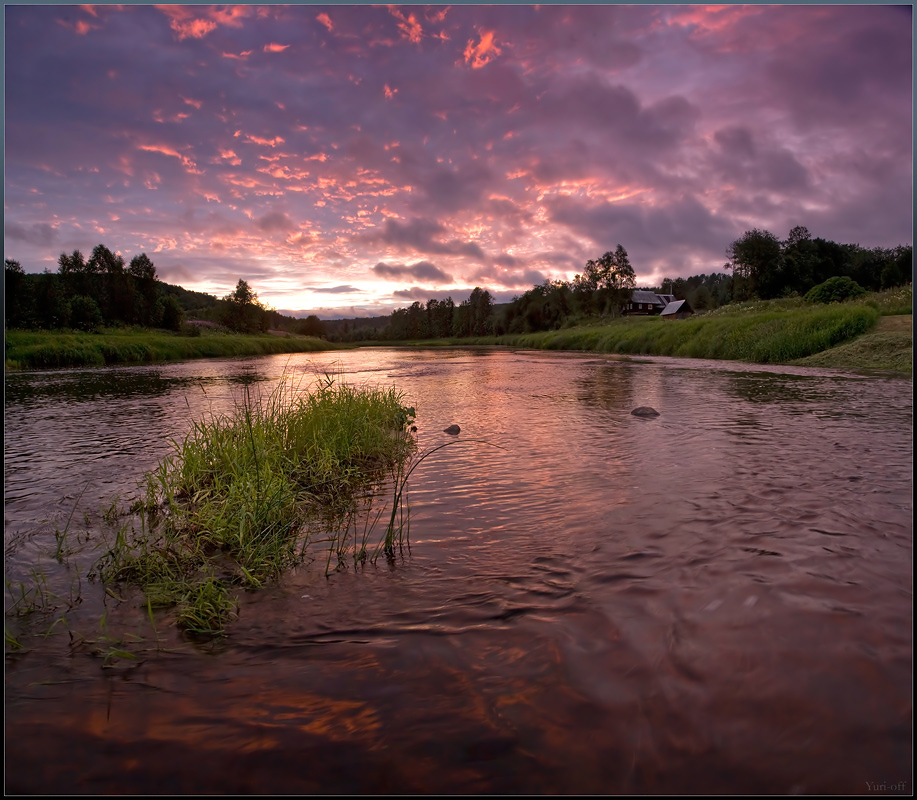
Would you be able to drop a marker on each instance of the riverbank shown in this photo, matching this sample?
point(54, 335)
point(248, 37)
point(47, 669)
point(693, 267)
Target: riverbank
point(849, 336)
point(27, 350)
point(889, 346)
point(874, 333)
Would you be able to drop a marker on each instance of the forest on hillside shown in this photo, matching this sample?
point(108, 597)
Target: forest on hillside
point(102, 291)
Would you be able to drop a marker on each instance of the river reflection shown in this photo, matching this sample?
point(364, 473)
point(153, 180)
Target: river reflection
point(715, 600)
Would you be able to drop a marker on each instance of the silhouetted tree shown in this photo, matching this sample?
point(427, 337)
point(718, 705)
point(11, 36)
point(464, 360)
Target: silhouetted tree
point(754, 259)
point(168, 313)
point(17, 295)
point(610, 279)
point(52, 307)
point(311, 326)
point(243, 312)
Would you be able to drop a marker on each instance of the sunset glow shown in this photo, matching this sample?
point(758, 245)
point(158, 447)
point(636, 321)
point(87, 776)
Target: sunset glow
point(347, 160)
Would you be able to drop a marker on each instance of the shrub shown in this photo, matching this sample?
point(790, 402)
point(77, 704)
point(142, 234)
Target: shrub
point(835, 290)
point(85, 314)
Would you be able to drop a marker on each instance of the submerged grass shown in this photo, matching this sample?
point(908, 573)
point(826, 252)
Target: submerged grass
point(241, 497)
point(27, 350)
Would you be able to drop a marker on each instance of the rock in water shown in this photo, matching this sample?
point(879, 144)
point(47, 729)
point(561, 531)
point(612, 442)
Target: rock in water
point(645, 411)
point(453, 429)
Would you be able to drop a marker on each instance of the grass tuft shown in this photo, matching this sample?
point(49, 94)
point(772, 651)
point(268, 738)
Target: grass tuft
point(238, 500)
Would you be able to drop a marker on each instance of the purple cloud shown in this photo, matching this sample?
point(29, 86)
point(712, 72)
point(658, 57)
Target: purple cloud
point(421, 271)
point(301, 147)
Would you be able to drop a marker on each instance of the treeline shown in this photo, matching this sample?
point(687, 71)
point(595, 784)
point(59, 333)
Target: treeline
point(761, 266)
point(764, 267)
point(104, 291)
point(603, 288)
point(86, 294)
point(101, 291)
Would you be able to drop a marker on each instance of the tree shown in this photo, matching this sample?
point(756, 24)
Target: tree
point(798, 261)
point(439, 318)
point(104, 261)
point(74, 273)
point(611, 278)
point(142, 272)
point(242, 295)
point(480, 306)
point(243, 312)
point(416, 321)
point(754, 259)
point(169, 313)
point(85, 314)
point(900, 269)
point(142, 268)
point(16, 291)
point(543, 307)
point(108, 284)
point(311, 326)
point(52, 308)
point(72, 264)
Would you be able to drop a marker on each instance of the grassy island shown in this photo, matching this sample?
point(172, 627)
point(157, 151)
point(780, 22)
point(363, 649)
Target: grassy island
point(239, 500)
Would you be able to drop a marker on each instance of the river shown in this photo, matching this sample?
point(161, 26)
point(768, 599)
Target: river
point(714, 600)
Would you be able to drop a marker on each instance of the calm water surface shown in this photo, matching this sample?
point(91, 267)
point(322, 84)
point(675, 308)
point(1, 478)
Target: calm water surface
point(715, 600)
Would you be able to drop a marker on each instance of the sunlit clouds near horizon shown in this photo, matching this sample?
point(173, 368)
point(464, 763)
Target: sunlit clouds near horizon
point(348, 160)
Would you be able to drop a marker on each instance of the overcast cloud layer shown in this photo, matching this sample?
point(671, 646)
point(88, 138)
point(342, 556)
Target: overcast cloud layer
point(352, 159)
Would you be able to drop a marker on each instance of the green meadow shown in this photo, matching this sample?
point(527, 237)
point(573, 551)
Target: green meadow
point(49, 349)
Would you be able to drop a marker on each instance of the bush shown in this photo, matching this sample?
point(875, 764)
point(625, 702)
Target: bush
point(189, 330)
point(835, 290)
point(85, 314)
point(172, 314)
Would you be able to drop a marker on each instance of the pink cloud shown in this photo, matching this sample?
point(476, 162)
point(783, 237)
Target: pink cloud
point(409, 26)
point(193, 22)
point(482, 53)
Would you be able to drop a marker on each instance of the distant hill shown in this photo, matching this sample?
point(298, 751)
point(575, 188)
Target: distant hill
point(194, 304)
point(198, 305)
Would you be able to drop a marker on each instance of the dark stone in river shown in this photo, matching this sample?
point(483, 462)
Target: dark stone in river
point(645, 411)
point(453, 429)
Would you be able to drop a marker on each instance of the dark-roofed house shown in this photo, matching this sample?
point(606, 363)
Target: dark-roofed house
point(677, 309)
point(643, 301)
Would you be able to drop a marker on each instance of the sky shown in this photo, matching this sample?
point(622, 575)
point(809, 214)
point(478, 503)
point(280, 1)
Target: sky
point(347, 160)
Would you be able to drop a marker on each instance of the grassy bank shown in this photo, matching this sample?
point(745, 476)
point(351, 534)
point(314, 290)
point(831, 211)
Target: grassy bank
point(763, 337)
point(854, 335)
point(50, 349)
point(890, 346)
point(239, 500)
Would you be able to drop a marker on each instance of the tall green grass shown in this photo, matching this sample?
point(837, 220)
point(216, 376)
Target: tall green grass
point(743, 334)
point(239, 500)
point(890, 302)
point(50, 349)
